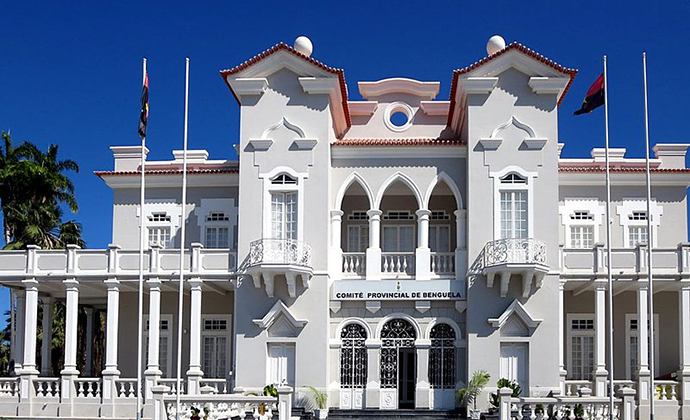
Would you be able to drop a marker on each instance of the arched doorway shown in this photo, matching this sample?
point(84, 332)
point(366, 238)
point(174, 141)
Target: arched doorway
point(353, 366)
point(398, 364)
point(442, 367)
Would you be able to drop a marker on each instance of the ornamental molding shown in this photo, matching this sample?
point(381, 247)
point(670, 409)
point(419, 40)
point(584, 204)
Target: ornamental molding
point(278, 310)
point(515, 309)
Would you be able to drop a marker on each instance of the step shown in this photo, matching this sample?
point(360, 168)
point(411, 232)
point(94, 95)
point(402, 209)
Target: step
point(403, 414)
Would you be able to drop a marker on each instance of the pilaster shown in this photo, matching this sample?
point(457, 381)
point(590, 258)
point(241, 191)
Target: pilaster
point(373, 269)
point(194, 374)
point(422, 388)
point(373, 389)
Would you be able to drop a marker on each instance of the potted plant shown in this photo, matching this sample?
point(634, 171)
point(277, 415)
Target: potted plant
point(504, 383)
point(195, 413)
point(321, 399)
point(468, 395)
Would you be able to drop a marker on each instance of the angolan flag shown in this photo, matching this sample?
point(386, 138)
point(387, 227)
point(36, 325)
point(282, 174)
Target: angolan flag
point(594, 98)
point(144, 118)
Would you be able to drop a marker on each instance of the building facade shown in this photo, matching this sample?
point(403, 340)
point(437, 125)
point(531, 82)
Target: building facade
point(380, 250)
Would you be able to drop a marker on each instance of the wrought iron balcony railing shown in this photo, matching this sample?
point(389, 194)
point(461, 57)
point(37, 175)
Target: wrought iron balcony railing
point(279, 252)
point(510, 251)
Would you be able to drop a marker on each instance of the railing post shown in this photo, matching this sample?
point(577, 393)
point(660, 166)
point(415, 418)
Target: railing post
point(336, 263)
point(627, 396)
point(154, 257)
point(599, 262)
point(641, 263)
point(373, 270)
point(684, 260)
point(284, 402)
point(196, 257)
point(159, 412)
point(505, 404)
point(113, 258)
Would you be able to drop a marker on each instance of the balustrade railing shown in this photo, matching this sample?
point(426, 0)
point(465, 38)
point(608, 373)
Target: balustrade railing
point(666, 390)
point(171, 383)
point(88, 387)
point(586, 408)
point(442, 263)
point(220, 386)
point(9, 387)
point(573, 386)
point(214, 407)
point(279, 251)
point(397, 263)
point(354, 263)
point(126, 387)
point(47, 387)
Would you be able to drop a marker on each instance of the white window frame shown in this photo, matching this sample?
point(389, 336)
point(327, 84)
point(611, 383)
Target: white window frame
point(270, 188)
point(450, 239)
point(171, 208)
point(630, 205)
point(217, 205)
point(360, 228)
point(567, 210)
point(283, 346)
point(500, 187)
point(630, 333)
point(398, 226)
point(227, 333)
point(578, 333)
point(161, 333)
point(580, 227)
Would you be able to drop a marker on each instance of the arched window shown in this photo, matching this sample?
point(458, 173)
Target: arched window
point(513, 178)
point(442, 357)
point(283, 179)
point(353, 357)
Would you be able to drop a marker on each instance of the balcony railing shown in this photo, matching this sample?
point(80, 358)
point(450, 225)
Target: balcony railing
point(442, 263)
point(354, 263)
point(625, 261)
point(279, 252)
point(397, 263)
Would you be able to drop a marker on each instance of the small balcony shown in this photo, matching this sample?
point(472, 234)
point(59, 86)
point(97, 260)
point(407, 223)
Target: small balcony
point(507, 257)
point(288, 257)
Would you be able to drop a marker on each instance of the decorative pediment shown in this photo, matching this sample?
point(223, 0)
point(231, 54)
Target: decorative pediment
point(531, 141)
point(281, 316)
point(514, 313)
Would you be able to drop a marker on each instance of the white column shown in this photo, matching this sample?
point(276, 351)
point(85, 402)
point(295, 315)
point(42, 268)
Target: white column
point(89, 342)
point(643, 373)
point(374, 251)
point(423, 253)
point(423, 386)
point(19, 330)
point(600, 372)
point(13, 325)
point(336, 268)
point(30, 327)
point(684, 338)
point(69, 373)
point(46, 347)
point(194, 374)
point(373, 390)
point(460, 244)
point(111, 374)
point(153, 371)
point(561, 335)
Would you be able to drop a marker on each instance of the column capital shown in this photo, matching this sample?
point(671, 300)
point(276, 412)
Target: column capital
point(460, 214)
point(30, 284)
point(374, 214)
point(423, 213)
point(337, 214)
point(153, 282)
point(195, 283)
point(71, 284)
point(112, 284)
point(600, 286)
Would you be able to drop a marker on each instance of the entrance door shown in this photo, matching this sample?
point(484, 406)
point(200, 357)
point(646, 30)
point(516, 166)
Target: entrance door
point(515, 364)
point(281, 364)
point(407, 380)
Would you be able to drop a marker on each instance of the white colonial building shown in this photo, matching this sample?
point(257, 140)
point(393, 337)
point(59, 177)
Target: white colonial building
point(381, 250)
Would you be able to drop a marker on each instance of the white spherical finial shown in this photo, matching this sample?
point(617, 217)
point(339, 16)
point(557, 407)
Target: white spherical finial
point(496, 43)
point(303, 45)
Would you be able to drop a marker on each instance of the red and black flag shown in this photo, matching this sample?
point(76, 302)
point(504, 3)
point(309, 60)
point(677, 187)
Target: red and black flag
point(144, 118)
point(594, 98)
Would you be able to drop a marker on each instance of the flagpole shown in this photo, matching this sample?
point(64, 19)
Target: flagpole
point(650, 293)
point(182, 242)
point(608, 243)
point(142, 232)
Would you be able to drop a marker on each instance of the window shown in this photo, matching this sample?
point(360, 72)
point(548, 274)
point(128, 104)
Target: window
point(581, 347)
point(353, 357)
point(398, 215)
point(398, 239)
point(638, 215)
point(442, 357)
point(582, 215)
point(284, 179)
point(217, 237)
point(582, 236)
point(632, 344)
point(164, 344)
point(637, 235)
point(215, 339)
point(284, 215)
point(358, 215)
point(159, 235)
point(513, 178)
point(514, 214)
point(357, 238)
point(439, 238)
point(281, 364)
point(439, 215)
point(159, 217)
point(217, 217)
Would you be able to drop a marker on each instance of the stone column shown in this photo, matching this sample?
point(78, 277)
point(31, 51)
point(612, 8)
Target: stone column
point(19, 330)
point(89, 342)
point(423, 253)
point(643, 374)
point(111, 374)
point(13, 322)
point(28, 371)
point(336, 266)
point(684, 339)
point(600, 372)
point(46, 347)
point(195, 374)
point(153, 372)
point(561, 336)
point(69, 373)
point(373, 269)
point(373, 390)
point(422, 388)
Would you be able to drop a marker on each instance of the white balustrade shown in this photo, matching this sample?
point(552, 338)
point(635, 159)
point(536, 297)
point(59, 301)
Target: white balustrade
point(88, 387)
point(219, 385)
point(214, 407)
point(354, 263)
point(666, 390)
point(279, 251)
point(47, 387)
point(171, 383)
point(126, 387)
point(572, 387)
point(9, 387)
point(443, 263)
point(397, 263)
point(586, 408)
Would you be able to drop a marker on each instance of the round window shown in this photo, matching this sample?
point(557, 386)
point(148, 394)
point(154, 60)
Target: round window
point(399, 119)
point(398, 116)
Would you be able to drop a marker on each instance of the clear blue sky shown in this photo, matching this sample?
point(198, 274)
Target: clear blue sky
point(70, 72)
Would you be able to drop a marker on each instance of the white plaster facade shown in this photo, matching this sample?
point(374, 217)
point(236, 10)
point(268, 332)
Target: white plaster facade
point(379, 258)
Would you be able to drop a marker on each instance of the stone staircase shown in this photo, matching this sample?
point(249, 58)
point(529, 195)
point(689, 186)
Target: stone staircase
point(336, 414)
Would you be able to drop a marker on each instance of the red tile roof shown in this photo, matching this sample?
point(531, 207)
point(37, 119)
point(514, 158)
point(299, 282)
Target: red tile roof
point(101, 174)
point(619, 169)
point(400, 142)
point(512, 46)
point(283, 46)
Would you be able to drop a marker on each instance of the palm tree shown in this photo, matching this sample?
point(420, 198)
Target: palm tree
point(10, 176)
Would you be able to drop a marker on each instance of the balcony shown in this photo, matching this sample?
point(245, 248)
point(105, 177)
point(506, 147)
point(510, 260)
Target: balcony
point(508, 257)
point(399, 265)
point(287, 257)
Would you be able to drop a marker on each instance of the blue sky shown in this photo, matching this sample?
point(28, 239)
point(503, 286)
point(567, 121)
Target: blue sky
point(70, 72)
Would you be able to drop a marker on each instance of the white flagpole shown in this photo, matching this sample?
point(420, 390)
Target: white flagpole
point(650, 294)
point(182, 239)
point(608, 243)
point(142, 234)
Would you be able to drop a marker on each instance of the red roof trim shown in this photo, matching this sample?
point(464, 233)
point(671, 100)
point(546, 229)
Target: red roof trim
point(101, 174)
point(283, 46)
point(400, 142)
point(512, 46)
point(600, 169)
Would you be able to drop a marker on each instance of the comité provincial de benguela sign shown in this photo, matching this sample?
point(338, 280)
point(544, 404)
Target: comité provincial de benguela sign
point(398, 290)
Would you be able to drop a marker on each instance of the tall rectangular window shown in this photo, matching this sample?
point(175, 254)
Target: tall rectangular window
point(398, 239)
point(638, 234)
point(582, 236)
point(357, 238)
point(159, 235)
point(215, 335)
point(439, 238)
point(284, 215)
point(581, 351)
point(217, 237)
point(514, 214)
